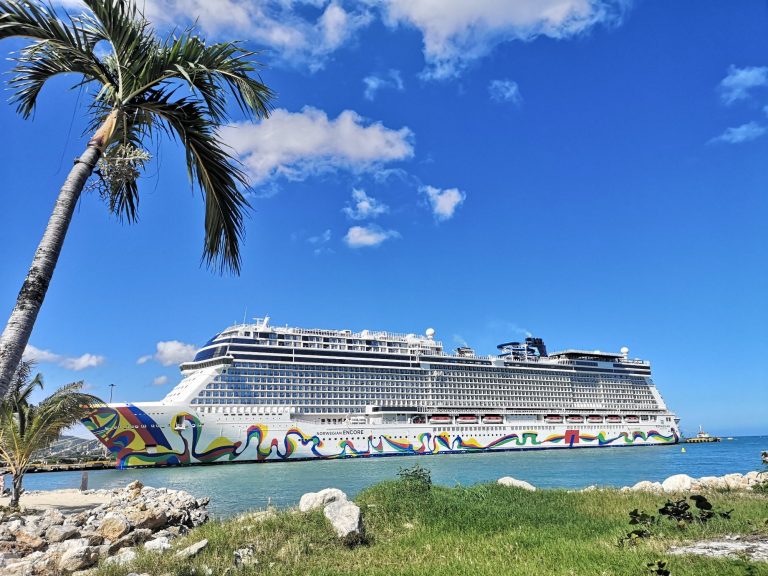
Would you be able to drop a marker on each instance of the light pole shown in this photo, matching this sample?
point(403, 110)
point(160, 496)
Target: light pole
point(111, 389)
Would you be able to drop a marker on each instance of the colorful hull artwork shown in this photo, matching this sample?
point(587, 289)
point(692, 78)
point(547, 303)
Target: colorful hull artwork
point(136, 439)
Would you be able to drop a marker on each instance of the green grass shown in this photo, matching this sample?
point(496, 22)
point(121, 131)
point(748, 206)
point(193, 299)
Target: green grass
point(483, 529)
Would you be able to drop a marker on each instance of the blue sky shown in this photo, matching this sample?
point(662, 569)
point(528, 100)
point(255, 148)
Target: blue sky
point(592, 172)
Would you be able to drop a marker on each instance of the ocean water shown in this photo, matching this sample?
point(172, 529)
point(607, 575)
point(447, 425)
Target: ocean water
point(237, 488)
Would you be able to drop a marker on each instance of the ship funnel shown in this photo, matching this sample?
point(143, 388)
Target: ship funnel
point(538, 344)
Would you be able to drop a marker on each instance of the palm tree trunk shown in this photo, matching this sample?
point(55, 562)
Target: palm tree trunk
point(16, 490)
point(19, 328)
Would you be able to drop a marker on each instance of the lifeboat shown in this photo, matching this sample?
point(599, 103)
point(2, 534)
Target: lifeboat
point(553, 418)
point(440, 419)
point(613, 419)
point(419, 420)
point(467, 419)
point(594, 419)
point(632, 419)
point(493, 419)
point(575, 419)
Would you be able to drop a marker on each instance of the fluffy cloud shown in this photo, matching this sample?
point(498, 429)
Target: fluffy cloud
point(296, 35)
point(505, 91)
point(443, 202)
point(739, 134)
point(457, 32)
point(160, 381)
point(170, 352)
point(364, 206)
point(77, 363)
point(296, 145)
point(739, 81)
point(366, 236)
point(391, 80)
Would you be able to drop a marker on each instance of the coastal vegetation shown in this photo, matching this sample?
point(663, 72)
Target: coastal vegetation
point(26, 428)
point(140, 87)
point(413, 527)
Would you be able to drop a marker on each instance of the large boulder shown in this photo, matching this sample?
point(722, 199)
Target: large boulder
point(114, 525)
point(678, 483)
point(77, 558)
point(314, 500)
point(58, 533)
point(647, 486)
point(346, 520)
point(515, 483)
point(159, 544)
point(192, 550)
point(125, 556)
point(151, 518)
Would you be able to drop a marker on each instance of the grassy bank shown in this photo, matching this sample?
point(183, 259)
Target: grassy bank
point(483, 529)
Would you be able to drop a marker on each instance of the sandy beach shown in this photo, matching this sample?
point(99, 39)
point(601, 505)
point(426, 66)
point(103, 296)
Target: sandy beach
point(71, 500)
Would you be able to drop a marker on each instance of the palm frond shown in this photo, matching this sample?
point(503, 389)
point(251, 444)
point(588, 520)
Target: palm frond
point(212, 167)
point(58, 47)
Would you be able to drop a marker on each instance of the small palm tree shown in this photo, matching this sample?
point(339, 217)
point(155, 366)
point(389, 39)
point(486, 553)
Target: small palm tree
point(26, 428)
point(140, 87)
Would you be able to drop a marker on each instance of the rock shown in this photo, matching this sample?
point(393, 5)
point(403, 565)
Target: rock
point(157, 544)
point(131, 539)
point(125, 556)
point(245, 557)
point(515, 483)
point(755, 550)
point(135, 486)
point(647, 486)
point(677, 483)
point(114, 525)
point(77, 559)
point(32, 541)
point(590, 488)
point(314, 500)
point(51, 517)
point(711, 483)
point(346, 520)
point(58, 533)
point(192, 550)
point(734, 481)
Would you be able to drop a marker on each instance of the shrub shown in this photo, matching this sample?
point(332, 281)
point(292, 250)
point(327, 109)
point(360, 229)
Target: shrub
point(416, 478)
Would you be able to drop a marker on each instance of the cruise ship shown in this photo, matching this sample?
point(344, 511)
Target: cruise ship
point(258, 392)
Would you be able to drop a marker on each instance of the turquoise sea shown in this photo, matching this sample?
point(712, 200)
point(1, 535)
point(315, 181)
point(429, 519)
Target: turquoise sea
point(239, 487)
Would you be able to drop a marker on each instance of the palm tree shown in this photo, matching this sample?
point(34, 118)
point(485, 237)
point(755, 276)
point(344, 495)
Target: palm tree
point(26, 428)
point(141, 87)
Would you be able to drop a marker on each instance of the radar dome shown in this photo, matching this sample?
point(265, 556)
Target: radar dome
point(624, 350)
point(430, 332)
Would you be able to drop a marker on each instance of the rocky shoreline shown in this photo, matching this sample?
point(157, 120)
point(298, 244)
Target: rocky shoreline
point(49, 541)
point(42, 542)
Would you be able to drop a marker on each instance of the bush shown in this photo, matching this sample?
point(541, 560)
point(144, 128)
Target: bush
point(416, 478)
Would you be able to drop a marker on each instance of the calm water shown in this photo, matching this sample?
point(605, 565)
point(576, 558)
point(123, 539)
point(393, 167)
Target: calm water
point(241, 487)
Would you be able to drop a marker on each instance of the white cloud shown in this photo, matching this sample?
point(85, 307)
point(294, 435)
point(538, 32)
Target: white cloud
point(31, 353)
point(739, 81)
point(320, 242)
point(457, 32)
point(364, 206)
point(321, 239)
point(744, 133)
point(160, 381)
point(295, 34)
point(443, 202)
point(392, 80)
point(505, 91)
point(365, 236)
point(170, 352)
point(296, 145)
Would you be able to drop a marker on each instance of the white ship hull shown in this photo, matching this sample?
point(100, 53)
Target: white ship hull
point(153, 434)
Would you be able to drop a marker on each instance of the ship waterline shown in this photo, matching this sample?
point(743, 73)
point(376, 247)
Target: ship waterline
point(256, 393)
